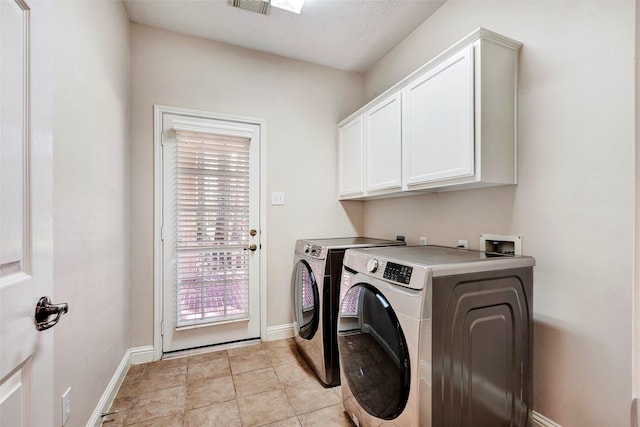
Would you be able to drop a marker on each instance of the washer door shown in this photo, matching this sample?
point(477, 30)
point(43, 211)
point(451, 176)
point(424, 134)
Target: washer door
point(373, 352)
point(306, 300)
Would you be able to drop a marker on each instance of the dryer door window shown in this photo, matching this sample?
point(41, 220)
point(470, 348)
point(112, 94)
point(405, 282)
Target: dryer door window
point(306, 300)
point(373, 352)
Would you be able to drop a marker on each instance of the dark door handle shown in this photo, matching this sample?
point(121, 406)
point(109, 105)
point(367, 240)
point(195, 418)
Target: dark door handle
point(45, 309)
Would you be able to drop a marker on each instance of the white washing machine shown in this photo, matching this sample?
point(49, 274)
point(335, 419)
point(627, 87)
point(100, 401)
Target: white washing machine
point(435, 336)
point(316, 282)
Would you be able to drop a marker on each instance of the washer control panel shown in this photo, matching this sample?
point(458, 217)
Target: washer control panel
point(398, 273)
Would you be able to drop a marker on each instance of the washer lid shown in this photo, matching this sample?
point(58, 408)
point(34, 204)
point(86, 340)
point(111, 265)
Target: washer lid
point(412, 266)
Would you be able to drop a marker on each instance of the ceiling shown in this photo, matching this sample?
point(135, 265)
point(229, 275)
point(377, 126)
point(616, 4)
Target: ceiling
point(349, 35)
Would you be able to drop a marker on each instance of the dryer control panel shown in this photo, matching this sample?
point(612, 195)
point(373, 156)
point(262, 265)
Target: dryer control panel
point(398, 272)
point(313, 250)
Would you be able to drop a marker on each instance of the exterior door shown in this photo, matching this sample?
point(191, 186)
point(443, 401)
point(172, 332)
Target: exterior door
point(211, 235)
point(26, 356)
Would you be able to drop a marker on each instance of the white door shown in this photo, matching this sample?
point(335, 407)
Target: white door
point(26, 359)
point(210, 231)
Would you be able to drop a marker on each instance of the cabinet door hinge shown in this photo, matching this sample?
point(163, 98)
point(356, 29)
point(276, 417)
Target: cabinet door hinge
point(162, 328)
point(162, 232)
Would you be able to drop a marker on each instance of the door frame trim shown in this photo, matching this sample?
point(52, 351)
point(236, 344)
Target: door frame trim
point(158, 111)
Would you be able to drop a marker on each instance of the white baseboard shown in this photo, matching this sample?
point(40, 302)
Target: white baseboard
point(279, 332)
point(110, 392)
point(539, 420)
point(141, 354)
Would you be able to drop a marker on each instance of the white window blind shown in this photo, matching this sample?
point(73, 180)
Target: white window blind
point(212, 228)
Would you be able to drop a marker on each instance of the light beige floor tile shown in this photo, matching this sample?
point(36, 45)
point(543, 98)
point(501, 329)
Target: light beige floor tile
point(160, 379)
point(165, 364)
point(264, 408)
point(283, 355)
point(333, 416)
point(288, 342)
point(249, 361)
point(215, 368)
point(169, 421)
point(136, 369)
point(225, 414)
point(129, 386)
point(157, 404)
point(254, 382)
point(291, 422)
point(122, 405)
point(310, 397)
point(209, 391)
point(271, 383)
point(296, 373)
point(206, 357)
point(245, 349)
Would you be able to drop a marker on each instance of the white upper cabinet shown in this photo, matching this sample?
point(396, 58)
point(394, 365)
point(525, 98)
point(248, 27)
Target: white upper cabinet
point(449, 125)
point(438, 126)
point(350, 159)
point(383, 145)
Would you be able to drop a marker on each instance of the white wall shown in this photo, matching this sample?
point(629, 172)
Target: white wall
point(301, 103)
point(90, 197)
point(574, 204)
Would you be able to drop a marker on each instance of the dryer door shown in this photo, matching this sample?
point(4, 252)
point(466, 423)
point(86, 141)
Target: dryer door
point(306, 300)
point(373, 352)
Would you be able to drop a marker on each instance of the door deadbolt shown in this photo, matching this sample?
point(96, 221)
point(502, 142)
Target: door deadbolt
point(253, 232)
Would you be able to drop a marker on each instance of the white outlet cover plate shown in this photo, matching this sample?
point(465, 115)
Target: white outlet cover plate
point(66, 406)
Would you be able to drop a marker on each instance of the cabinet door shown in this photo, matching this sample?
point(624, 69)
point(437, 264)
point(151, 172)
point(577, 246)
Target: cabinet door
point(439, 138)
point(383, 139)
point(350, 161)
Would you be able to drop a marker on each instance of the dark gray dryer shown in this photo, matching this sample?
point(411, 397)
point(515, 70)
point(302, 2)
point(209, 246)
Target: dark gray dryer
point(316, 283)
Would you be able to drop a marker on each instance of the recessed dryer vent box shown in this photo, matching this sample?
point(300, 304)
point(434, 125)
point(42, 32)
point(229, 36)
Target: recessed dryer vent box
point(500, 244)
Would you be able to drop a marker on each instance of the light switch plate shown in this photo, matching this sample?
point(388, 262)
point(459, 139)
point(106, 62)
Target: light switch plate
point(277, 198)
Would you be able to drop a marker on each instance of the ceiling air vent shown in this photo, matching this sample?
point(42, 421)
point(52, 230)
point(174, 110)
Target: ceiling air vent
point(259, 6)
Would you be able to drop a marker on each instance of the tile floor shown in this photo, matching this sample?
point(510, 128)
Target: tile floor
point(267, 384)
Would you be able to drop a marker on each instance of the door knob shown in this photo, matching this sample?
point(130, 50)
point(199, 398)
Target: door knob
point(45, 309)
point(252, 247)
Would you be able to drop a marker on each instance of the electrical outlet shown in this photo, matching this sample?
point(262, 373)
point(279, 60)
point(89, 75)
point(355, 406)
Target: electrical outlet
point(66, 406)
point(463, 244)
point(422, 241)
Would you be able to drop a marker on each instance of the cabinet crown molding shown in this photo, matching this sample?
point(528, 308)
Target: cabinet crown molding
point(480, 33)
